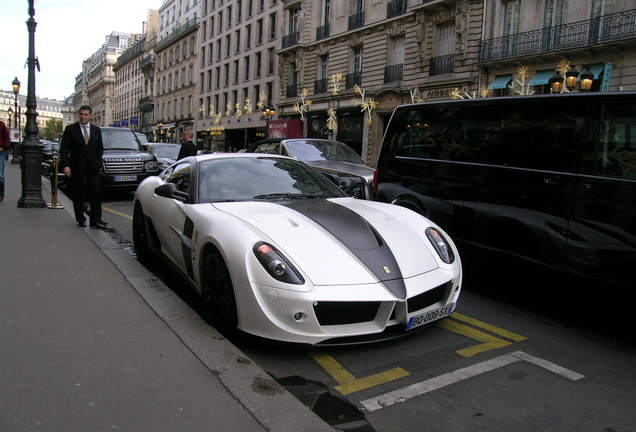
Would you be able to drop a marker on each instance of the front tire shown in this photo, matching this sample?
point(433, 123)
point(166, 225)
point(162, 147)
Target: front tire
point(218, 294)
point(140, 236)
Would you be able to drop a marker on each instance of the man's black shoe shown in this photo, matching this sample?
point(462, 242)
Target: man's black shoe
point(98, 225)
point(81, 224)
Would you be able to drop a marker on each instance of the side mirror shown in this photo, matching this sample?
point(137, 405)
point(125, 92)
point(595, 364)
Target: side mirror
point(169, 190)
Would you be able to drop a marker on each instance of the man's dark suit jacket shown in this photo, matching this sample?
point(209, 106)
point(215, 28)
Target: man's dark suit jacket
point(78, 155)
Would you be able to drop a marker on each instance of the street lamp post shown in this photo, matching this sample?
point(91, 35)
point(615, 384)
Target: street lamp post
point(16, 147)
point(267, 114)
point(31, 149)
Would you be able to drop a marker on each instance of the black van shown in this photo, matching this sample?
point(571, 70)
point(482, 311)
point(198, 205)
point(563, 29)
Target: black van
point(546, 180)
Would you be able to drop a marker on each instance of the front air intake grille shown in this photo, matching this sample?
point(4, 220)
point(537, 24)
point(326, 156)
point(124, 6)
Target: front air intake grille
point(340, 313)
point(123, 166)
point(429, 297)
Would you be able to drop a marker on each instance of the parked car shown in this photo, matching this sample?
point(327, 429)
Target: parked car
point(278, 251)
point(166, 153)
point(125, 162)
point(335, 160)
point(545, 184)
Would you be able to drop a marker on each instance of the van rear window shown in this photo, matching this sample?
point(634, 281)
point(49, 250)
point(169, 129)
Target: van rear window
point(617, 141)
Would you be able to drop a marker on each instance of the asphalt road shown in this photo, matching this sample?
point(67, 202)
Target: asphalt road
point(532, 362)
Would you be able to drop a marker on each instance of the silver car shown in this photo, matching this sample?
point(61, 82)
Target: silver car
point(334, 159)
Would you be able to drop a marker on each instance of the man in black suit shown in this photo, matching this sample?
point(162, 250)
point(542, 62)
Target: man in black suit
point(188, 148)
point(81, 153)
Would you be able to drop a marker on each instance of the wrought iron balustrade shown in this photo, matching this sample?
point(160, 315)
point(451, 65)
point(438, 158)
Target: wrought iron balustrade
point(322, 32)
point(395, 8)
point(393, 73)
point(442, 65)
point(320, 86)
point(609, 28)
point(353, 79)
point(291, 91)
point(290, 39)
point(356, 21)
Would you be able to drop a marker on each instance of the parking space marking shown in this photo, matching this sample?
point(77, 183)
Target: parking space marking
point(423, 387)
point(489, 341)
point(348, 383)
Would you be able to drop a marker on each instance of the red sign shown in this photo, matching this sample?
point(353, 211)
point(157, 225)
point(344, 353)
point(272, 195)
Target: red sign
point(286, 128)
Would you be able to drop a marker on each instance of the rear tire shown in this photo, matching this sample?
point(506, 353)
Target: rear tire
point(219, 302)
point(140, 236)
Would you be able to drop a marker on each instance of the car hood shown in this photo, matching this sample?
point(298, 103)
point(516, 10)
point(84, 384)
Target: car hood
point(344, 241)
point(340, 167)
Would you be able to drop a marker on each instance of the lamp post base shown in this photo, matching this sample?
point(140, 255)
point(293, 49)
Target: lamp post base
point(31, 179)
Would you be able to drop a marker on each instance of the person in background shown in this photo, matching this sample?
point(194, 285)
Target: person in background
point(5, 143)
point(188, 148)
point(81, 151)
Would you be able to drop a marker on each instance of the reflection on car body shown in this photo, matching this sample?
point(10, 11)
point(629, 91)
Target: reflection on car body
point(278, 251)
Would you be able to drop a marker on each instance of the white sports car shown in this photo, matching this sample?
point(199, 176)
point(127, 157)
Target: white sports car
point(278, 251)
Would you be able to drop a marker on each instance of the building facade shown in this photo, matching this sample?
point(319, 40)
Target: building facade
point(47, 109)
point(175, 69)
point(238, 71)
point(131, 82)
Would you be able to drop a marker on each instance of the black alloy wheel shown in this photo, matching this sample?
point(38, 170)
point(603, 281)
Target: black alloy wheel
point(218, 294)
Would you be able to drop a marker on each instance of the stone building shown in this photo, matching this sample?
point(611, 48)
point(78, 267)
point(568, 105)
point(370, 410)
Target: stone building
point(131, 82)
point(175, 65)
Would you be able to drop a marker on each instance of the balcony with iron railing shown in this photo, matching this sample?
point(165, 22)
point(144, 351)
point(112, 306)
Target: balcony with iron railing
point(393, 73)
point(291, 91)
point(395, 8)
point(442, 65)
point(184, 29)
point(352, 79)
point(290, 39)
point(581, 34)
point(356, 21)
point(322, 32)
point(320, 86)
point(148, 61)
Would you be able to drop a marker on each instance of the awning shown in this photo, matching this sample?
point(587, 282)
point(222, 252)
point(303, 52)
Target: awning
point(501, 82)
point(596, 69)
point(542, 77)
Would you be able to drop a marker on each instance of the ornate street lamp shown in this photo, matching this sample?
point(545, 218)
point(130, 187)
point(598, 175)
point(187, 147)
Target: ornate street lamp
point(587, 78)
point(571, 78)
point(31, 149)
point(159, 126)
point(16, 147)
point(556, 82)
point(267, 114)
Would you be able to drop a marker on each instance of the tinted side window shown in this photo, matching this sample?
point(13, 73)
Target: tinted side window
point(617, 141)
point(533, 134)
point(180, 176)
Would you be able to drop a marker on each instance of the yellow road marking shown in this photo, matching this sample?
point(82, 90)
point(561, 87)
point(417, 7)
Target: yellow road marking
point(490, 342)
point(348, 383)
point(110, 210)
point(491, 328)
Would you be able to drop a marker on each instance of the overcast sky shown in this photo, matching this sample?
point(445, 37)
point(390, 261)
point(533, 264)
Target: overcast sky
point(67, 32)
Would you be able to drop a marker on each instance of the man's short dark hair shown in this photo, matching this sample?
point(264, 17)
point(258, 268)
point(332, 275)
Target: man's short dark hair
point(86, 108)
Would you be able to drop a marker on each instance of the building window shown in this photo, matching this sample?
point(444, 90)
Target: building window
point(246, 68)
point(320, 86)
point(259, 32)
point(248, 36)
point(271, 59)
point(443, 60)
point(272, 26)
point(355, 76)
point(259, 64)
point(395, 69)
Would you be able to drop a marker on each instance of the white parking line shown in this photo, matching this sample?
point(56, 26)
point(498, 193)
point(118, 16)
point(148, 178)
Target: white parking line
point(417, 389)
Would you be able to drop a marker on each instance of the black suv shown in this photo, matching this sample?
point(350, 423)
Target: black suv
point(125, 162)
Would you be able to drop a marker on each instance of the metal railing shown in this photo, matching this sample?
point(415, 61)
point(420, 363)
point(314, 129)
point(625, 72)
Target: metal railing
point(609, 28)
point(320, 86)
point(322, 32)
point(290, 39)
point(291, 91)
point(393, 73)
point(352, 79)
point(442, 65)
point(395, 8)
point(356, 21)
point(177, 33)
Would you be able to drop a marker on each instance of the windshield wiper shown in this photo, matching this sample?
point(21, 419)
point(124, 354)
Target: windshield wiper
point(286, 196)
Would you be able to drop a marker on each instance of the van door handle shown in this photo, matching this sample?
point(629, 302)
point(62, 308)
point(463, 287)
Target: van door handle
point(553, 181)
point(595, 187)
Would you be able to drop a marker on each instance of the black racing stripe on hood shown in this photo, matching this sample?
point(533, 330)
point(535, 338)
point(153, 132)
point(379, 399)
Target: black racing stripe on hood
point(358, 236)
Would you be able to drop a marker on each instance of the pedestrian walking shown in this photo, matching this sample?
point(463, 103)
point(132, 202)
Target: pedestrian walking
point(188, 148)
point(5, 143)
point(81, 153)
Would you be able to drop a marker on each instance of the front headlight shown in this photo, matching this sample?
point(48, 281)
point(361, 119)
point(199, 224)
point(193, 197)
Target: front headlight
point(277, 265)
point(150, 166)
point(441, 245)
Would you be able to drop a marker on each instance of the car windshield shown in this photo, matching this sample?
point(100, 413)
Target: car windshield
point(142, 138)
point(168, 151)
point(312, 150)
point(266, 178)
point(120, 139)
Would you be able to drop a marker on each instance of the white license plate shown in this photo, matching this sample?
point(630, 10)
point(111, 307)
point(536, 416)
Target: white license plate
point(124, 178)
point(430, 316)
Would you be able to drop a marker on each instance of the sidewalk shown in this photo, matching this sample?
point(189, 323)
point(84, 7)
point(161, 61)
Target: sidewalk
point(92, 341)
